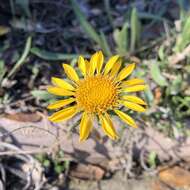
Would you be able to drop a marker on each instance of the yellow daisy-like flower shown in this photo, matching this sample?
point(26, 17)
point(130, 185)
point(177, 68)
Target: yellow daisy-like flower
point(98, 92)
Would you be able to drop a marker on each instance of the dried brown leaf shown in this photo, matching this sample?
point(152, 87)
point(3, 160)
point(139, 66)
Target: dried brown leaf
point(175, 177)
point(24, 117)
point(87, 172)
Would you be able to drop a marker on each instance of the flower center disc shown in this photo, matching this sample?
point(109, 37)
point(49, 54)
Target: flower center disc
point(96, 94)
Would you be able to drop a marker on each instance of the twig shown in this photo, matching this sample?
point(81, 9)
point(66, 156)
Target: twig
point(16, 152)
point(15, 148)
point(2, 187)
point(3, 176)
point(176, 58)
point(21, 173)
point(29, 180)
point(10, 132)
point(16, 172)
point(149, 45)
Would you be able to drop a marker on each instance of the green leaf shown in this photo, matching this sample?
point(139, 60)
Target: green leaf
point(2, 66)
point(156, 74)
point(40, 157)
point(149, 96)
point(161, 53)
point(182, 9)
point(2, 69)
point(104, 45)
point(175, 86)
point(152, 159)
point(61, 153)
point(121, 39)
point(182, 106)
point(183, 38)
point(46, 163)
point(42, 95)
point(59, 168)
point(50, 56)
point(84, 23)
point(185, 32)
point(66, 164)
point(135, 29)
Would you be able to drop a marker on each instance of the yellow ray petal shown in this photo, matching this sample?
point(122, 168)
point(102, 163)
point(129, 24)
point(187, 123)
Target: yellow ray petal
point(110, 63)
point(134, 99)
point(134, 81)
point(59, 91)
point(100, 61)
point(87, 66)
point(116, 67)
point(135, 88)
point(70, 72)
point(64, 114)
point(62, 84)
point(82, 65)
point(126, 72)
point(108, 127)
point(61, 103)
point(85, 126)
point(126, 118)
point(93, 63)
point(133, 106)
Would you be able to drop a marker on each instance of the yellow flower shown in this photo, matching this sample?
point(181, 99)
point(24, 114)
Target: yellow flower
point(98, 92)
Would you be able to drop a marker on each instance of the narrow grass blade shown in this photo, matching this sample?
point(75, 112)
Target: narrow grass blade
point(84, 23)
point(108, 11)
point(51, 56)
point(24, 5)
point(149, 16)
point(104, 44)
point(182, 12)
point(23, 57)
point(2, 70)
point(121, 39)
point(135, 29)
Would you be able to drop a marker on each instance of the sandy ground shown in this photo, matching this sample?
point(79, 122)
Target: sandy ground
point(117, 182)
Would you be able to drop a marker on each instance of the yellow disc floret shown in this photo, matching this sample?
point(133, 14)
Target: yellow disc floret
point(97, 94)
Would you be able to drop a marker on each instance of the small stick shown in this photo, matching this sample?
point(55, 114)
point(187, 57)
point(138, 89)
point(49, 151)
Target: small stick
point(176, 58)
